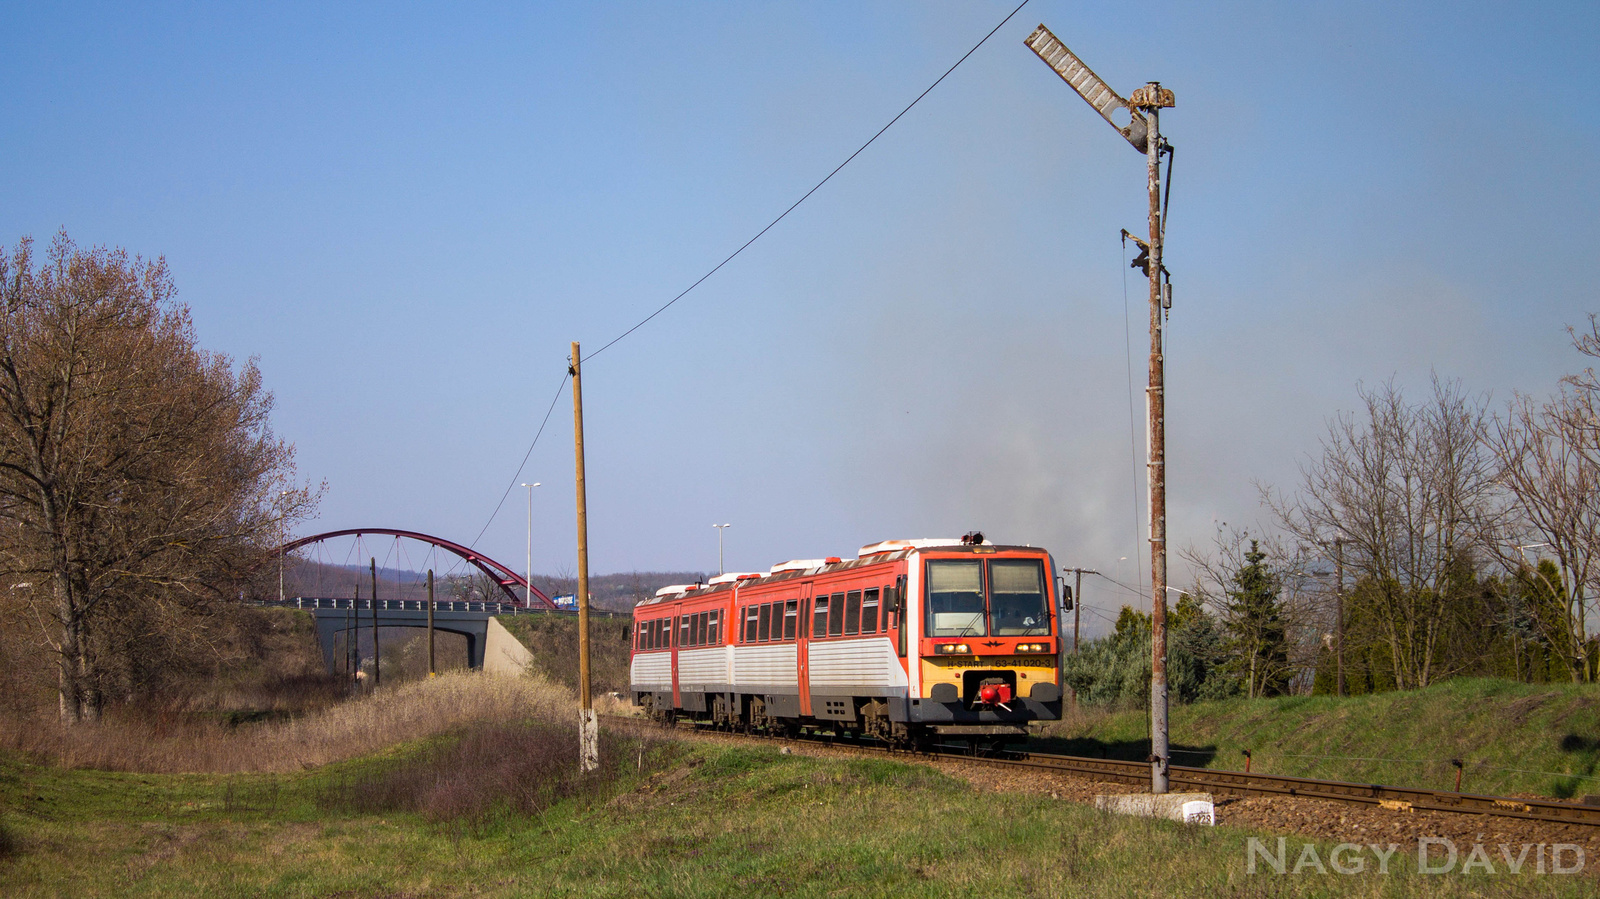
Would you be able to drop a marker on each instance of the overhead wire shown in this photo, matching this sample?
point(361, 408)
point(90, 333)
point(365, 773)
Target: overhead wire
point(525, 457)
point(742, 247)
point(818, 186)
point(1133, 430)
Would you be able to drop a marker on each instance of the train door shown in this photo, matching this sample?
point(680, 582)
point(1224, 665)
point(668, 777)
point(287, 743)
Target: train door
point(801, 646)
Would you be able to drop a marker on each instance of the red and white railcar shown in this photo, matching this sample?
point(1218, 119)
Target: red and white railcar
point(911, 639)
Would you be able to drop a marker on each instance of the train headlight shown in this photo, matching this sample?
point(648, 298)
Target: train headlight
point(1033, 647)
point(952, 649)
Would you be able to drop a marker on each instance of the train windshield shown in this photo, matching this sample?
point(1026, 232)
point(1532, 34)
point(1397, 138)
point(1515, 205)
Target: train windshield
point(955, 598)
point(1017, 604)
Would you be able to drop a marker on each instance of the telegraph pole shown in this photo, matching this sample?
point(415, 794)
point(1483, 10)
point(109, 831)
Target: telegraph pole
point(377, 657)
point(1077, 600)
point(430, 623)
point(1143, 132)
point(588, 728)
point(1150, 99)
point(352, 635)
point(1338, 610)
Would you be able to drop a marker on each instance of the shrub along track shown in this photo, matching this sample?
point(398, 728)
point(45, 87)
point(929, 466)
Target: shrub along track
point(1328, 810)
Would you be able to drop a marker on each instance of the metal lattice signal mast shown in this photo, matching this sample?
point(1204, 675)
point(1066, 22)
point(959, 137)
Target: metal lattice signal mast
point(1143, 131)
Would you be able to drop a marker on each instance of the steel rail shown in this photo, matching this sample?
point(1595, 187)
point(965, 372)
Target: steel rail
point(1400, 798)
point(1239, 782)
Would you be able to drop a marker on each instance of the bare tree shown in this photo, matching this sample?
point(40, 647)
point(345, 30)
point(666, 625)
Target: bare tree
point(138, 473)
point(1550, 463)
point(1549, 456)
point(1222, 572)
point(1411, 491)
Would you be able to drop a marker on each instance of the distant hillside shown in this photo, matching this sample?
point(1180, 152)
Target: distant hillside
point(1514, 738)
point(615, 592)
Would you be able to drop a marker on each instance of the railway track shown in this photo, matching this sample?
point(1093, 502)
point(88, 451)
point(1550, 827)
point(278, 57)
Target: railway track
point(1239, 782)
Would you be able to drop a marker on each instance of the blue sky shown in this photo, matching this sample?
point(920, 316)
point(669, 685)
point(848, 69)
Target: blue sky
point(407, 213)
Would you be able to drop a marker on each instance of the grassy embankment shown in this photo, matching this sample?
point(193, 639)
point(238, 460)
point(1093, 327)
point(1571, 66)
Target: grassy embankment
point(665, 820)
point(1539, 739)
point(480, 800)
point(553, 640)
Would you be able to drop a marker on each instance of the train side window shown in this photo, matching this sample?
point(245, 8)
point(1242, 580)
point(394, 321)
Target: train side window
point(819, 619)
point(750, 616)
point(685, 635)
point(712, 635)
point(650, 634)
point(791, 614)
point(765, 621)
point(869, 612)
point(700, 629)
point(836, 615)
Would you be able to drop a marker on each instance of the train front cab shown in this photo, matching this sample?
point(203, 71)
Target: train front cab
point(984, 629)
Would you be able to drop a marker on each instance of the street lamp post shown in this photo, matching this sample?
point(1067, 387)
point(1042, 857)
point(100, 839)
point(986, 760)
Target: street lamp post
point(719, 528)
point(527, 596)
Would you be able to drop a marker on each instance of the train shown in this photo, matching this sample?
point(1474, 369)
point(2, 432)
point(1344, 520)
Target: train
point(910, 642)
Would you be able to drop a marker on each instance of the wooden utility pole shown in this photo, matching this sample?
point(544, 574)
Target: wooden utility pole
point(1338, 610)
point(1077, 601)
point(352, 635)
point(1143, 132)
point(1150, 99)
point(588, 728)
point(431, 669)
point(377, 657)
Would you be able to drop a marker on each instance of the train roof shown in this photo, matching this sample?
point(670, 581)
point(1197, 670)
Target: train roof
point(871, 554)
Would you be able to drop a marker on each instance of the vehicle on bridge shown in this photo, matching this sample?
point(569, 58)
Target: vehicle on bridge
point(911, 640)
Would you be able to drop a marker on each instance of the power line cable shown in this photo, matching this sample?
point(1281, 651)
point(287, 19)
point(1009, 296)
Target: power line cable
point(1133, 431)
point(685, 292)
point(814, 189)
point(525, 457)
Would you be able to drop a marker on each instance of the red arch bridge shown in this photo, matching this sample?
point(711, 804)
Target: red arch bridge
point(469, 618)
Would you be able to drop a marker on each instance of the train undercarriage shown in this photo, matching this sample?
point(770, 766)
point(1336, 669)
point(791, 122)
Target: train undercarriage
point(855, 719)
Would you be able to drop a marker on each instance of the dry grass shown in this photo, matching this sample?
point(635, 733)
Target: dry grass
point(522, 768)
point(183, 744)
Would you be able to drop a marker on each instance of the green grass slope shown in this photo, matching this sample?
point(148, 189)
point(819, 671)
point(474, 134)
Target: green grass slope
point(1541, 739)
point(684, 821)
